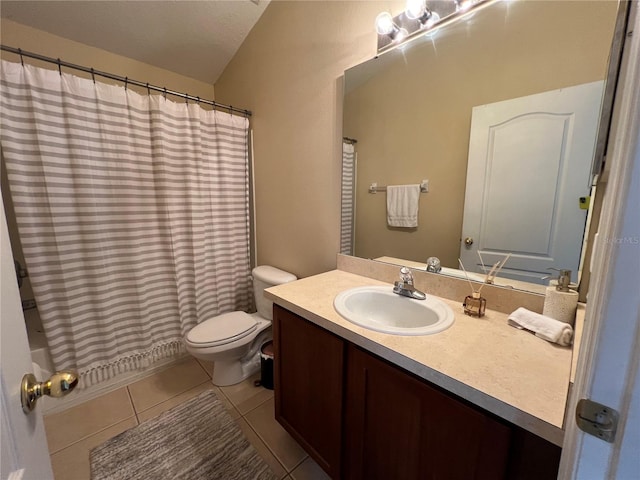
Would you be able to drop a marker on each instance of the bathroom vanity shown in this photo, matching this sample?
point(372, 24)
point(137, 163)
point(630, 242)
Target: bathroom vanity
point(479, 400)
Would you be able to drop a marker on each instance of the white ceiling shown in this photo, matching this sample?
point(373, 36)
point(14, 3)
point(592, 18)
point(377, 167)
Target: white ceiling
point(193, 38)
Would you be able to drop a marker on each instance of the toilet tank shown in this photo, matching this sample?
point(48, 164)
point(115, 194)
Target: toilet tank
point(265, 276)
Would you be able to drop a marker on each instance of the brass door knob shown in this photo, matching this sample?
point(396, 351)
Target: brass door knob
point(58, 385)
point(468, 241)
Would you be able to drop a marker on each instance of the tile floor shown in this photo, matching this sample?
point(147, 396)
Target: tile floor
point(74, 432)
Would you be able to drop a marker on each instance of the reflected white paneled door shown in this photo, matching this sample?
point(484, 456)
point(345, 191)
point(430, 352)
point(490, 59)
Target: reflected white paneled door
point(530, 162)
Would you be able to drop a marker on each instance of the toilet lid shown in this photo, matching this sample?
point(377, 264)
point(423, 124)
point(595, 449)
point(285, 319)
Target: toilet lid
point(223, 328)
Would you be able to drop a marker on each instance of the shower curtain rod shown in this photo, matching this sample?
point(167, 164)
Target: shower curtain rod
point(125, 80)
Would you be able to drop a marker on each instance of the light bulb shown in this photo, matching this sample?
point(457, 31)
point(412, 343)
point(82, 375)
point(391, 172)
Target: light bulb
point(415, 9)
point(463, 5)
point(433, 19)
point(401, 35)
point(384, 23)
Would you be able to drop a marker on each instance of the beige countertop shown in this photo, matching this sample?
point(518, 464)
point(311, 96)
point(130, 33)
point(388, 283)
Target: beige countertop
point(508, 372)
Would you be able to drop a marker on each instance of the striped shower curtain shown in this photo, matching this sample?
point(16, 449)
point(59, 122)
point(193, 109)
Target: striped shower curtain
point(348, 198)
point(132, 212)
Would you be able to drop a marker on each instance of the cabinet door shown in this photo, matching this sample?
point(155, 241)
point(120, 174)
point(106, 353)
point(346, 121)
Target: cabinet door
point(398, 427)
point(308, 380)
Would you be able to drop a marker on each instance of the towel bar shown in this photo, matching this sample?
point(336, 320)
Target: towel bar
point(375, 188)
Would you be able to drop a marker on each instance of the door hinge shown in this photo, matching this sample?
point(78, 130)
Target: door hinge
point(597, 419)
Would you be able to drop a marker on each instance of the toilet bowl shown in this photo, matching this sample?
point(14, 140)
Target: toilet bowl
point(232, 340)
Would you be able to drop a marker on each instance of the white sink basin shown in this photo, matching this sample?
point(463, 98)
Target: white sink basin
point(379, 309)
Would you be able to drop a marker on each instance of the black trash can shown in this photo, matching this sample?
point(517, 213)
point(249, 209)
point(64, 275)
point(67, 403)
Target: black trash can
point(266, 365)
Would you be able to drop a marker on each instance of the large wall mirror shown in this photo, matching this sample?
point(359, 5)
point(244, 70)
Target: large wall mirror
point(410, 111)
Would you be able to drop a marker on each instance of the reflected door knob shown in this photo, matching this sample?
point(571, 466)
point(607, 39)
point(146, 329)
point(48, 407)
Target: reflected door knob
point(58, 385)
point(468, 241)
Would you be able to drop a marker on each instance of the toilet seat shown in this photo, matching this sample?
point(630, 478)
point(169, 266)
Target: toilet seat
point(222, 329)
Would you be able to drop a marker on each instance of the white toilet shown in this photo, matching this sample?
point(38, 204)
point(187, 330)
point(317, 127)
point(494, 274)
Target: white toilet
point(233, 340)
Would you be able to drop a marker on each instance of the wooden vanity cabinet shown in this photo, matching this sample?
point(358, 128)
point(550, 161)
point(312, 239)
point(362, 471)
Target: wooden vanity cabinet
point(308, 381)
point(360, 417)
point(397, 426)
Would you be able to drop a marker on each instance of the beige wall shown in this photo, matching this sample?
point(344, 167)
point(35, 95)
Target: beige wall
point(20, 36)
point(288, 72)
point(412, 120)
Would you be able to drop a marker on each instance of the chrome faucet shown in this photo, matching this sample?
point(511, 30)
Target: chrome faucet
point(405, 286)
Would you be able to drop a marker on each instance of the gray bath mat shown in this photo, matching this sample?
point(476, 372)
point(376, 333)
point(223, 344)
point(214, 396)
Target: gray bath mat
point(193, 441)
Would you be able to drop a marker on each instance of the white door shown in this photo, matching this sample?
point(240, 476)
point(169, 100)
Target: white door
point(530, 162)
point(25, 455)
point(609, 364)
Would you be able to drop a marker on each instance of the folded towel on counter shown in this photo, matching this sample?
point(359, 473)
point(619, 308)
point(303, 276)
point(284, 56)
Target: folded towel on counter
point(402, 205)
point(544, 327)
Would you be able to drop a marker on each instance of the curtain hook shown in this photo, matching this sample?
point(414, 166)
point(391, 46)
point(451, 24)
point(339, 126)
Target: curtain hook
point(21, 59)
point(198, 100)
point(148, 89)
point(186, 99)
point(231, 110)
point(165, 93)
point(93, 75)
point(59, 67)
point(126, 80)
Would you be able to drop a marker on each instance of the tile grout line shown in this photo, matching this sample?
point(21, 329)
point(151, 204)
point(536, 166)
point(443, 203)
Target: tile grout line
point(168, 399)
point(253, 408)
point(100, 430)
point(92, 434)
point(267, 447)
point(204, 369)
point(231, 402)
point(133, 405)
point(273, 453)
point(306, 456)
point(243, 417)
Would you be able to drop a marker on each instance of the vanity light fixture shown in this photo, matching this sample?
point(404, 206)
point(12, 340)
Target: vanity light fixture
point(419, 19)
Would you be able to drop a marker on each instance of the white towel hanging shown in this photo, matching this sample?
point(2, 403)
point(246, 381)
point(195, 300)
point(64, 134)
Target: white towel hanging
point(402, 205)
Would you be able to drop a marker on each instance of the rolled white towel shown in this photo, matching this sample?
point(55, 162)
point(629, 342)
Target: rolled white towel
point(544, 327)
